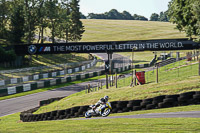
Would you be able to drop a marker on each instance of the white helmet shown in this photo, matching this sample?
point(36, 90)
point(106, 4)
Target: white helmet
point(106, 98)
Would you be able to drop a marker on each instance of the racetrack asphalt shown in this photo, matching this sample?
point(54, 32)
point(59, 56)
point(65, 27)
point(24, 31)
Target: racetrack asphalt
point(188, 114)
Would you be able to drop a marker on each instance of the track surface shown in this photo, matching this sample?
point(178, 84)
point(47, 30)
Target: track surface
point(189, 114)
point(23, 103)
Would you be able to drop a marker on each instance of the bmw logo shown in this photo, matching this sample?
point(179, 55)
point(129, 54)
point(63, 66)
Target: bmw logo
point(32, 49)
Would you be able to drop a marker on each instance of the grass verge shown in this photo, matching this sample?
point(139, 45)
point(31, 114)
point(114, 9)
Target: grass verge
point(12, 124)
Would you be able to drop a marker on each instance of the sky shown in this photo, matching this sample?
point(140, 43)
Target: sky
point(140, 7)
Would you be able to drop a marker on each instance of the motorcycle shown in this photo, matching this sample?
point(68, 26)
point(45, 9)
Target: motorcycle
point(103, 110)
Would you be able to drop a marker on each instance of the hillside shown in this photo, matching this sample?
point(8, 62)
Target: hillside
point(121, 30)
point(170, 82)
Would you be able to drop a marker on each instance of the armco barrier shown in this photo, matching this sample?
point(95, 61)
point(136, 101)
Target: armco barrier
point(163, 101)
point(46, 75)
point(63, 80)
point(53, 82)
point(58, 81)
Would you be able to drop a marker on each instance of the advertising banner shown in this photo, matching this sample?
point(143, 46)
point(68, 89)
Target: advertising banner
point(106, 47)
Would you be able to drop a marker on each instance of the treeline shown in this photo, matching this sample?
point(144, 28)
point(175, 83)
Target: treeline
point(114, 14)
point(163, 16)
point(22, 20)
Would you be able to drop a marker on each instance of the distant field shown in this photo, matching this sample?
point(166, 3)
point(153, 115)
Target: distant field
point(121, 30)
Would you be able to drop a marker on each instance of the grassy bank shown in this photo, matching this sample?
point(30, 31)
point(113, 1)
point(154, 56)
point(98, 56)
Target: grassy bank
point(168, 84)
point(122, 30)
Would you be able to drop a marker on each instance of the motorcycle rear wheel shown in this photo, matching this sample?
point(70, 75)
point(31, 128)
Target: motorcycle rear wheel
point(88, 115)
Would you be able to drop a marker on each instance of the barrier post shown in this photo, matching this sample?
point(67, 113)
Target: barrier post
point(116, 79)
point(157, 73)
point(101, 85)
point(112, 80)
point(106, 80)
point(135, 78)
point(199, 67)
point(88, 88)
point(85, 89)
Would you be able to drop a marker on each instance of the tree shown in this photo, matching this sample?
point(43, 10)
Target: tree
point(97, 16)
point(83, 16)
point(154, 17)
point(185, 14)
point(114, 14)
point(52, 14)
point(164, 16)
point(196, 11)
point(126, 15)
point(4, 17)
point(139, 17)
point(30, 16)
point(76, 27)
point(42, 19)
point(64, 20)
point(17, 22)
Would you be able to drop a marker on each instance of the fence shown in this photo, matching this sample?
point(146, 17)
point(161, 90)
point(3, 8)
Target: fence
point(176, 70)
point(181, 69)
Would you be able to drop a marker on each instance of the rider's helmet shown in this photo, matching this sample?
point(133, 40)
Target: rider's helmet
point(102, 100)
point(106, 98)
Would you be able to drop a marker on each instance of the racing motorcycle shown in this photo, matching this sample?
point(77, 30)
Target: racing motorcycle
point(99, 111)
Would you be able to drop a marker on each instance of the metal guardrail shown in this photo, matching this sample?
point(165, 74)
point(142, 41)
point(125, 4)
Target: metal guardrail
point(51, 74)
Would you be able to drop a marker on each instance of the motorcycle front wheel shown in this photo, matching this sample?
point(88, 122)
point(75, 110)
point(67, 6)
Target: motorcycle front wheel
point(106, 112)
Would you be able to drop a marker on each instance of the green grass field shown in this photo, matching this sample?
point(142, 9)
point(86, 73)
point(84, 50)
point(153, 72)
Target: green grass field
point(119, 30)
point(122, 30)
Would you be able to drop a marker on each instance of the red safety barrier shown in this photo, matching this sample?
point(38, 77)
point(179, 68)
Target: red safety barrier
point(141, 77)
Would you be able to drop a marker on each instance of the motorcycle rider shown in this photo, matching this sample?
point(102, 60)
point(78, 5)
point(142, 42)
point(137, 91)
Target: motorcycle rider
point(102, 102)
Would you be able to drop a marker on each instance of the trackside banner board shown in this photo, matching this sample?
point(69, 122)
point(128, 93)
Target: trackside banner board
point(103, 47)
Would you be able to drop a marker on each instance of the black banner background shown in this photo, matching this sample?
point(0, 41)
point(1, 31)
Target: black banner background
point(106, 47)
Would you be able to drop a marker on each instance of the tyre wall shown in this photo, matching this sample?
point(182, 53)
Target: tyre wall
point(163, 101)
